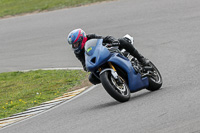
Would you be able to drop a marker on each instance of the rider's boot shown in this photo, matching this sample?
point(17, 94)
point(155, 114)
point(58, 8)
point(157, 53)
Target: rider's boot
point(140, 58)
point(144, 61)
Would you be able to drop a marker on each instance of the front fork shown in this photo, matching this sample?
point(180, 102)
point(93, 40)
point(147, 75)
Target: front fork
point(110, 64)
point(113, 72)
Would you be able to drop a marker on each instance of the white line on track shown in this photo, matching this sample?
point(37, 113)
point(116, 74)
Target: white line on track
point(44, 107)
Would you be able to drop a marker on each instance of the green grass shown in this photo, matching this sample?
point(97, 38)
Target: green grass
point(14, 7)
point(22, 90)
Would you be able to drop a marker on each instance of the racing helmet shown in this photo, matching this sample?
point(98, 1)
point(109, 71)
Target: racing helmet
point(77, 39)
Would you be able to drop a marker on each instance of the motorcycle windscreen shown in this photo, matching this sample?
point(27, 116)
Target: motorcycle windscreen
point(90, 46)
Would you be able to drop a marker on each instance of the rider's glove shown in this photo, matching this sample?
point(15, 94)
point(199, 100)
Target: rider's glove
point(108, 39)
point(115, 43)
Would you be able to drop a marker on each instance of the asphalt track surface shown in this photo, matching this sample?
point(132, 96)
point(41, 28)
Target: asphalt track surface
point(165, 31)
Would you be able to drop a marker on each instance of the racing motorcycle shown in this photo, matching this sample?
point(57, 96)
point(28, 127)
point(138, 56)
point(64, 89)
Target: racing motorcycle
point(119, 72)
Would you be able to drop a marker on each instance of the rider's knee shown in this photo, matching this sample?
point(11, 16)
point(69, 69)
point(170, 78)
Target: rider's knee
point(93, 79)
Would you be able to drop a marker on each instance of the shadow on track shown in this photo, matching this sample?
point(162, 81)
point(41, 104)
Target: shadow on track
point(137, 96)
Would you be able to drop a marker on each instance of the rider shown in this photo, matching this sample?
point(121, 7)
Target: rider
point(77, 39)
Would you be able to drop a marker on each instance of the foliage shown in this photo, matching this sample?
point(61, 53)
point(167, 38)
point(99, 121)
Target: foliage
point(13, 7)
point(22, 90)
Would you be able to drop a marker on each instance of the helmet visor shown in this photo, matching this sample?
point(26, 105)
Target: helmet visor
point(75, 45)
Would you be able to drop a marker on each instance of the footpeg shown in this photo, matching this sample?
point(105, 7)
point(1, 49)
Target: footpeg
point(148, 68)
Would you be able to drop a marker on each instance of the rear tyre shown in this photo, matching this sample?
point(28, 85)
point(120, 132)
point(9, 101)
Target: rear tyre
point(119, 92)
point(155, 79)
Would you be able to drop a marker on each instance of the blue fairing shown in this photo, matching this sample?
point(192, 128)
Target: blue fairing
point(134, 78)
point(96, 55)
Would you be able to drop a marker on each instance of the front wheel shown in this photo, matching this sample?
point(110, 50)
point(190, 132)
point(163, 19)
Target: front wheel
point(119, 91)
point(155, 79)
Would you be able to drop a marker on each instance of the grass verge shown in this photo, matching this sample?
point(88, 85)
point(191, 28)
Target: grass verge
point(22, 90)
point(14, 7)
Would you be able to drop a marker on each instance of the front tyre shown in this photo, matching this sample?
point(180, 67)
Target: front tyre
point(155, 79)
point(119, 92)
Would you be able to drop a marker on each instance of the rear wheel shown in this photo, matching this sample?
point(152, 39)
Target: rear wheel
point(119, 91)
point(155, 79)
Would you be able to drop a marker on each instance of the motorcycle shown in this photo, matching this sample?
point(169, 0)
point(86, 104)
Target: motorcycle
point(119, 72)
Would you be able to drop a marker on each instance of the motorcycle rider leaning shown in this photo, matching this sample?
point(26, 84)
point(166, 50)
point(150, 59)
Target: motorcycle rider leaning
point(77, 39)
